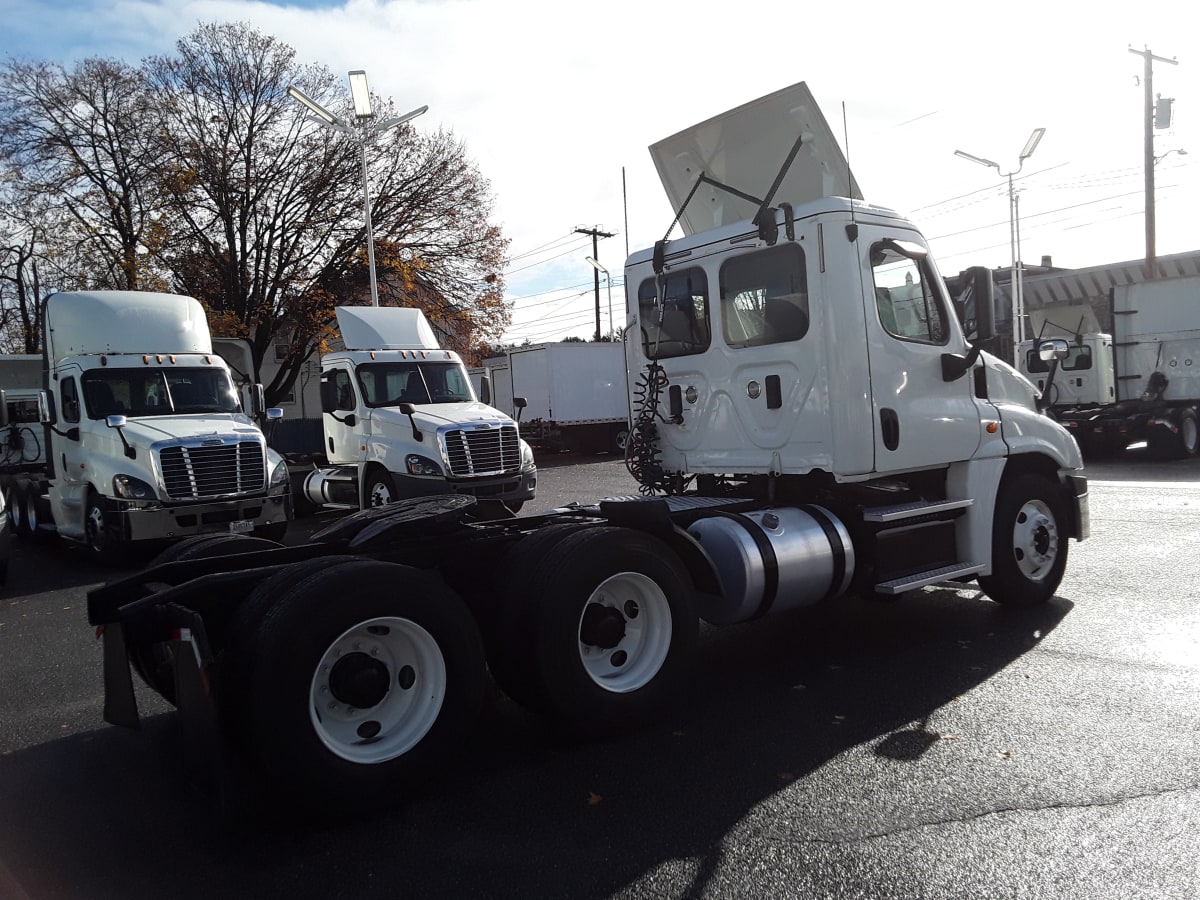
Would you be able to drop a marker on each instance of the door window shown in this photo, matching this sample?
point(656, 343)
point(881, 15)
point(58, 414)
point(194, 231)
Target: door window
point(906, 298)
point(70, 400)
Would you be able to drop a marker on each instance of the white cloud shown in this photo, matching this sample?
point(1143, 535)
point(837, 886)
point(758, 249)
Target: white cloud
point(553, 99)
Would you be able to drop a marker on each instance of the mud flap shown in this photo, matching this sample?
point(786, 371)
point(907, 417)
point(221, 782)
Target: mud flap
point(203, 747)
point(120, 704)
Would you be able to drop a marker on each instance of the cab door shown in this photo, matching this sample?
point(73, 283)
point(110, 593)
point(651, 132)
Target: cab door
point(343, 431)
point(920, 419)
point(69, 456)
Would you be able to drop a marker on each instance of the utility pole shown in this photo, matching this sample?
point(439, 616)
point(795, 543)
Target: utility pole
point(596, 234)
point(1149, 59)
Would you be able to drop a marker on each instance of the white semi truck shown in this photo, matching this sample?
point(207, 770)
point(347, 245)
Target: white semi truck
point(574, 394)
point(140, 433)
point(1139, 384)
point(794, 438)
point(401, 420)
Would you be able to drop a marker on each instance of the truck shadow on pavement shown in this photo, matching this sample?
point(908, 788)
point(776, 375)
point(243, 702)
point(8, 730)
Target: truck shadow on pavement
point(526, 812)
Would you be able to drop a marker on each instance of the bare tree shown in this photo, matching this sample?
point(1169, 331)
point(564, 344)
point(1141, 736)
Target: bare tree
point(83, 142)
point(265, 209)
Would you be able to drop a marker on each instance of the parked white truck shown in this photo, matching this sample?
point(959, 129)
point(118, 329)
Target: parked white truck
point(141, 433)
point(794, 438)
point(574, 394)
point(1139, 384)
point(401, 420)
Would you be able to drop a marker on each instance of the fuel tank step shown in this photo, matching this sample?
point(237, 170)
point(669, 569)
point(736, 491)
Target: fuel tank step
point(933, 576)
point(901, 511)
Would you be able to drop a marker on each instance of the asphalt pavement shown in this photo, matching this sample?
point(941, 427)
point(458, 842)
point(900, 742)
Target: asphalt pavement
point(938, 746)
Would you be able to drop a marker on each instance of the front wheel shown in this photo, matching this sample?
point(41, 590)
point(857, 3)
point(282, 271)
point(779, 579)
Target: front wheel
point(1029, 543)
point(105, 546)
point(1189, 434)
point(379, 489)
point(351, 705)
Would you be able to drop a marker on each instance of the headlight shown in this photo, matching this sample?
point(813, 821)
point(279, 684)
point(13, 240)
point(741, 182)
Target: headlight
point(129, 488)
point(526, 456)
point(279, 475)
point(421, 465)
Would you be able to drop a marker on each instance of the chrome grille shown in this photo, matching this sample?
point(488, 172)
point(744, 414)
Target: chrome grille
point(195, 472)
point(482, 451)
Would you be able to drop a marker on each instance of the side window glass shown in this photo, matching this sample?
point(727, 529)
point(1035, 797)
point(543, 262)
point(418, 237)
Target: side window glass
point(345, 393)
point(908, 303)
point(764, 297)
point(70, 400)
point(1078, 359)
point(684, 315)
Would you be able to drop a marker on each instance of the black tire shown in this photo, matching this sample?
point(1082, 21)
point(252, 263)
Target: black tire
point(275, 531)
point(611, 630)
point(376, 741)
point(508, 631)
point(619, 439)
point(104, 545)
point(155, 662)
point(14, 501)
point(379, 489)
point(1029, 542)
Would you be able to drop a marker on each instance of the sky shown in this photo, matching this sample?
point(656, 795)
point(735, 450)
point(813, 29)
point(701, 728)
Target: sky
point(557, 103)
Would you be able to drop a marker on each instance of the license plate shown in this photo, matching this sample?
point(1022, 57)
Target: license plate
point(241, 526)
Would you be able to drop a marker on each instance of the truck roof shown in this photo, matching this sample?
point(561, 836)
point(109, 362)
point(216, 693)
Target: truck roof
point(385, 328)
point(745, 148)
point(81, 323)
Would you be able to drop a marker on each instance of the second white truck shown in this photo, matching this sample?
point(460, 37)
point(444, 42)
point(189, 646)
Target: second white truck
point(401, 420)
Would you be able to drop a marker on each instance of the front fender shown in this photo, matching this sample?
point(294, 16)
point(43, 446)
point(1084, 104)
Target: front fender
point(1026, 431)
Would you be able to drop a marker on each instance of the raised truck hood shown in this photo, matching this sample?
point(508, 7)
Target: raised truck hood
point(745, 149)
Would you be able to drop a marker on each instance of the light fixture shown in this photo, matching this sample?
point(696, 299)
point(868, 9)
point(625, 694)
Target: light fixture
point(360, 94)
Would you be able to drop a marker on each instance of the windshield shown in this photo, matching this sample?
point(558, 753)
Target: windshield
point(392, 383)
point(157, 392)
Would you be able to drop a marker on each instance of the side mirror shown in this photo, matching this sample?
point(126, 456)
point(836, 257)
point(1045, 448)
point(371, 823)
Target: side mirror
point(1052, 349)
point(519, 403)
point(485, 389)
point(408, 409)
point(977, 310)
point(47, 414)
point(115, 421)
point(328, 397)
point(274, 412)
point(3, 409)
point(258, 401)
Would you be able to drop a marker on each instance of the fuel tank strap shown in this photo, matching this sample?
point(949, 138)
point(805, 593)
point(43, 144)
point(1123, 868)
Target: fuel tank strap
point(770, 561)
point(821, 517)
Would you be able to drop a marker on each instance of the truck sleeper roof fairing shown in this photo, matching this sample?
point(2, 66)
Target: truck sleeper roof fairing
point(385, 328)
point(744, 149)
point(82, 323)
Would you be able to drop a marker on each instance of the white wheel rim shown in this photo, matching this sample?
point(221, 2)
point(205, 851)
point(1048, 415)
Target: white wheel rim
point(380, 495)
point(642, 650)
point(409, 706)
point(95, 528)
point(1189, 435)
point(31, 517)
point(1035, 540)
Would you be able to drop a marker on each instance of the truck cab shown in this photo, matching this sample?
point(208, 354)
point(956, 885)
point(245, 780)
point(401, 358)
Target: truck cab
point(145, 436)
point(401, 419)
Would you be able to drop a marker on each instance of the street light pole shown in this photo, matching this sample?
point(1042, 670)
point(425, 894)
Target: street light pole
point(368, 132)
point(1016, 288)
point(599, 268)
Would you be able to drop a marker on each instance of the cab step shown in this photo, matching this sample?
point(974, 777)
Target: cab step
point(933, 576)
point(901, 511)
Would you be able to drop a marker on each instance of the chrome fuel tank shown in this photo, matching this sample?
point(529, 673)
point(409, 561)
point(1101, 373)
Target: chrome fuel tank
point(773, 560)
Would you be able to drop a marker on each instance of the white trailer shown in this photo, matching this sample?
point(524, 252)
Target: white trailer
point(574, 393)
point(142, 435)
point(795, 440)
point(1141, 384)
